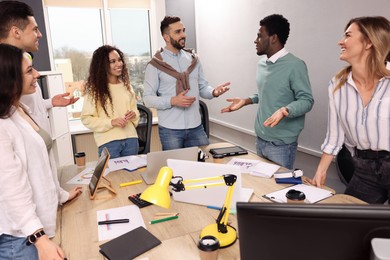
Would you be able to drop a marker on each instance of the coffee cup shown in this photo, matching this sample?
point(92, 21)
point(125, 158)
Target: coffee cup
point(295, 196)
point(80, 158)
point(208, 248)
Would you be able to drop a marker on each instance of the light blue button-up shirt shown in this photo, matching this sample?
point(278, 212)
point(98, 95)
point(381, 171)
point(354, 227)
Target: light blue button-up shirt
point(160, 87)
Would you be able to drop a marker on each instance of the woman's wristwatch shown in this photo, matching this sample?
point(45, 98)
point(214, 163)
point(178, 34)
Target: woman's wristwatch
point(33, 238)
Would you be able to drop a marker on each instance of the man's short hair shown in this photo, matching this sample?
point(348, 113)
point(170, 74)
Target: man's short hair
point(277, 24)
point(166, 22)
point(13, 13)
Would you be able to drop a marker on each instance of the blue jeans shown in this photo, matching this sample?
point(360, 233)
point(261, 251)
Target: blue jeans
point(120, 148)
point(371, 180)
point(277, 151)
point(15, 248)
point(182, 138)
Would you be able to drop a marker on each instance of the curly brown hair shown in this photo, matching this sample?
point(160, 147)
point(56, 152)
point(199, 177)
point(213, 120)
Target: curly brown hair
point(97, 82)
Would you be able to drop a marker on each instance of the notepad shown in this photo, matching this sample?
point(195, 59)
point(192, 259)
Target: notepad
point(129, 245)
point(130, 163)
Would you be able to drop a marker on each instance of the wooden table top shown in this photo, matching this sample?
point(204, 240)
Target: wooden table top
point(77, 231)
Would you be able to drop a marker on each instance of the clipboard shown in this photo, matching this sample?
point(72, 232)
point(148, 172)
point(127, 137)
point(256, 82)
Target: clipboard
point(313, 194)
point(228, 151)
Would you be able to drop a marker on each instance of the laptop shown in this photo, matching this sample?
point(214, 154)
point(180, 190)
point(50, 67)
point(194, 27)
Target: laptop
point(212, 196)
point(157, 160)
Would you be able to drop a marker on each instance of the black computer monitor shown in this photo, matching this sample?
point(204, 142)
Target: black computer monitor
point(270, 231)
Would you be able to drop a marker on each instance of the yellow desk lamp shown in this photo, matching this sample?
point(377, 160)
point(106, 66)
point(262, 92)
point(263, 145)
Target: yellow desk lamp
point(158, 194)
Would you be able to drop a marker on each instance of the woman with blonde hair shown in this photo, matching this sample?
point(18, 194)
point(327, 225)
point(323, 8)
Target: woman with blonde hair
point(359, 110)
point(110, 108)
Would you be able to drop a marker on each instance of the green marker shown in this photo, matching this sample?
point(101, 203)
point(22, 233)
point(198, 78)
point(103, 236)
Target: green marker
point(163, 219)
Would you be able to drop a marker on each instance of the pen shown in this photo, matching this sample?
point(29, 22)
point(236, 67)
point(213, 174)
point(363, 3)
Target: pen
point(130, 183)
point(232, 211)
point(163, 219)
point(167, 214)
point(114, 221)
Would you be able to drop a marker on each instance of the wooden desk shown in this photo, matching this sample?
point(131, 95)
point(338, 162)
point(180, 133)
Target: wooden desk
point(77, 225)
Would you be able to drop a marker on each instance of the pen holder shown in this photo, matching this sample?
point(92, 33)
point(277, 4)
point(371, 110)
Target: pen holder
point(295, 196)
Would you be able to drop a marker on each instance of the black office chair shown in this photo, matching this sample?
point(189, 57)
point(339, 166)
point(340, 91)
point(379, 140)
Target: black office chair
point(204, 114)
point(344, 165)
point(144, 129)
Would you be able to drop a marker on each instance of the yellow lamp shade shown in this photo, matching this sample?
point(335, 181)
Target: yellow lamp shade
point(158, 193)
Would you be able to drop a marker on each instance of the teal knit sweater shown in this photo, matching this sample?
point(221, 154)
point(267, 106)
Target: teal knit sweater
point(284, 83)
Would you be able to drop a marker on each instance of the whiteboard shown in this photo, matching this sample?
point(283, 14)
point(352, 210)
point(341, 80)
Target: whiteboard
point(225, 35)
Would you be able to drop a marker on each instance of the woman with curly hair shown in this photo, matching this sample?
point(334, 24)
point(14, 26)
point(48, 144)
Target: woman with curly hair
point(110, 108)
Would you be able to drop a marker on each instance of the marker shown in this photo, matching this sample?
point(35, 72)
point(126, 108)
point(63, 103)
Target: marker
point(232, 211)
point(163, 219)
point(114, 221)
point(130, 183)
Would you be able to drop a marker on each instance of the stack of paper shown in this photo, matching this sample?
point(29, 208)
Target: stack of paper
point(255, 167)
point(130, 163)
point(114, 230)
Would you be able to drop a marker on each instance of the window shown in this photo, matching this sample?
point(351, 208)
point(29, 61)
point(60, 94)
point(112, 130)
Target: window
point(77, 31)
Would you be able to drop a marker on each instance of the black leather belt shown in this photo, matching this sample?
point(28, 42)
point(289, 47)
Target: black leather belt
point(370, 154)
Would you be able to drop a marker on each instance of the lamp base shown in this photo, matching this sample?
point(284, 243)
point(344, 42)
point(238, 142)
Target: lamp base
point(225, 239)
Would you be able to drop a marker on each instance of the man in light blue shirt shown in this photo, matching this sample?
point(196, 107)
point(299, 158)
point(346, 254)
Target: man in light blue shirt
point(174, 81)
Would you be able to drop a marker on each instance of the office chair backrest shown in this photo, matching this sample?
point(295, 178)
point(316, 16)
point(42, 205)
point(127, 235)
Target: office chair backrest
point(204, 113)
point(344, 165)
point(144, 129)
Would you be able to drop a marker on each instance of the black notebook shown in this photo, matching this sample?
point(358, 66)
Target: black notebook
point(129, 245)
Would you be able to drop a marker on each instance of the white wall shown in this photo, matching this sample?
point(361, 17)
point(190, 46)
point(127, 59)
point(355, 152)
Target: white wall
point(226, 30)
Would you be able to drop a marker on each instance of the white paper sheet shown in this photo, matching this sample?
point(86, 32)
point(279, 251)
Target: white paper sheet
point(263, 169)
point(244, 164)
point(111, 231)
point(84, 177)
point(131, 163)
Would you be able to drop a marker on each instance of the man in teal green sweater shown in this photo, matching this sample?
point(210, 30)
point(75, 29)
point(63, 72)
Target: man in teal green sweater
point(284, 94)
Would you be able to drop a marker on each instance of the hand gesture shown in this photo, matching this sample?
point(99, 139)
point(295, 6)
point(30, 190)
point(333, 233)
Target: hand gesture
point(75, 192)
point(48, 250)
point(130, 115)
point(276, 117)
point(119, 122)
point(60, 100)
point(181, 100)
point(221, 89)
point(236, 103)
point(318, 180)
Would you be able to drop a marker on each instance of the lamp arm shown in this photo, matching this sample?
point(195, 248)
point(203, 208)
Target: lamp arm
point(223, 217)
point(178, 184)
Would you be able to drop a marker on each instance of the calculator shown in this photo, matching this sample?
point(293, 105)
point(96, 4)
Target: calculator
point(138, 201)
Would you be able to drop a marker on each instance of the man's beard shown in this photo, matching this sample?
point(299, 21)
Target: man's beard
point(177, 45)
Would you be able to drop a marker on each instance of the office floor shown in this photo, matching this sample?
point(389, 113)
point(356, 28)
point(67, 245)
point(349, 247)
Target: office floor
point(308, 164)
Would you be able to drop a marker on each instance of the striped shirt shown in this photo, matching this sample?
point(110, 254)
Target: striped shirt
point(357, 126)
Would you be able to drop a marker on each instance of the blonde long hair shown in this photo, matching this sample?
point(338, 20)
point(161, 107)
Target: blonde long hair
point(376, 30)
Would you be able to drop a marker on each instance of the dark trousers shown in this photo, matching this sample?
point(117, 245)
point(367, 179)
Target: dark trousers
point(371, 179)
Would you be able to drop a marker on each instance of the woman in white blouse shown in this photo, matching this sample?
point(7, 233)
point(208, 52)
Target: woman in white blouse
point(29, 190)
point(359, 110)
